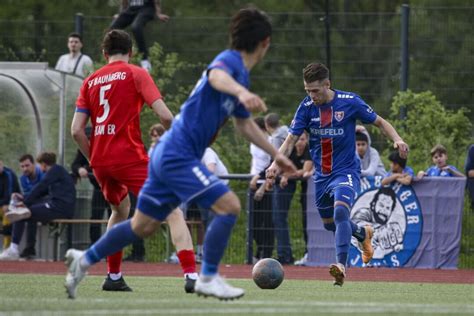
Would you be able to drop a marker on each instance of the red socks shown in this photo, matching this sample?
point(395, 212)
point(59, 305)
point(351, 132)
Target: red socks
point(187, 261)
point(114, 262)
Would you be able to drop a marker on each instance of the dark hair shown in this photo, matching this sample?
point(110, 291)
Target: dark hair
point(248, 28)
point(315, 72)
point(260, 121)
point(159, 128)
point(27, 157)
point(76, 35)
point(362, 137)
point(272, 120)
point(48, 158)
point(438, 149)
point(395, 158)
point(117, 42)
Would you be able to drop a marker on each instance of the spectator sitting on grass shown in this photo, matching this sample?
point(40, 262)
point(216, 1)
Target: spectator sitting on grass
point(399, 172)
point(439, 155)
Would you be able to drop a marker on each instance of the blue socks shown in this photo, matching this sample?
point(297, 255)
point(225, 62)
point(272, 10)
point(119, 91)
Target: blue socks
point(215, 242)
point(343, 233)
point(358, 231)
point(113, 240)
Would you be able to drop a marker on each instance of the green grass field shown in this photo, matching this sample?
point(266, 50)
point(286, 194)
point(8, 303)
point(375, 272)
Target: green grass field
point(44, 295)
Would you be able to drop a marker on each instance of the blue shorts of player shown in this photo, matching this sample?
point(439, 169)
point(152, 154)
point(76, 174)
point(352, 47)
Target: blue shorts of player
point(326, 193)
point(173, 179)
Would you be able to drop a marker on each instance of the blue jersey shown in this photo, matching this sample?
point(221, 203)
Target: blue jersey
point(206, 110)
point(407, 170)
point(27, 184)
point(434, 171)
point(331, 129)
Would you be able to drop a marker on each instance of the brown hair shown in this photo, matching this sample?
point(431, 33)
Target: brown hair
point(315, 72)
point(248, 28)
point(27, 157)
point(438, 149)
point(117, 42)
point(49, 158)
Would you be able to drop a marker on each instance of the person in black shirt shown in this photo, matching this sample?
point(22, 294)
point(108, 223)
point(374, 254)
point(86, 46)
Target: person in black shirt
point(302, 160)
point(52, 198)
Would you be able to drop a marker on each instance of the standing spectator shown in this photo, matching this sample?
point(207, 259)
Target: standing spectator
point(75, 62)
point(330, 116)
point(8, 186)
point(138, 13)
point(439, 155)
point(260, 159)
point(112, 99)
point(301, 158)
point(282, 195)
point(469, 169)
point(399, 171)
point(32, 175)
point(176, 173)
point(52, 198)
point(370, 162)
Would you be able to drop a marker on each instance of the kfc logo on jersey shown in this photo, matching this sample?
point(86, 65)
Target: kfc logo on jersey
point(339, 115)
point(395, 214)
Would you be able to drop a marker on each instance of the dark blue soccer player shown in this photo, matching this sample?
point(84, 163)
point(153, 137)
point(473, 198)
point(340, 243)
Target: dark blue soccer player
point(329, 116)
point(175, 172)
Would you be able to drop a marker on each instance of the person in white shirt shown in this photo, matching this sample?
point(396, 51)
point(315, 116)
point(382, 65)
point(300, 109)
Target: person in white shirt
point(260, 159)
point(75, 62)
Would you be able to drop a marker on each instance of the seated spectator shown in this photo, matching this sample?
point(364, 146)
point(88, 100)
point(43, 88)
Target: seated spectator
point(52, 198)
point(399, 172)
point(370, 162)
point(8, 186)
point(31, 176)
point(439, 155)
point(469, 169)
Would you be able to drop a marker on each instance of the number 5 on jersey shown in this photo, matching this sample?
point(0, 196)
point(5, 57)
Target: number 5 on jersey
point(105, 103)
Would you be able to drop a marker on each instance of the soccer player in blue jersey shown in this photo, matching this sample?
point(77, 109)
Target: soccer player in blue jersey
point(175, 171)
point(329, 116)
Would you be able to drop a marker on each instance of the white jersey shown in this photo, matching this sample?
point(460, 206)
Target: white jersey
point(67, 63)
point(211, 157)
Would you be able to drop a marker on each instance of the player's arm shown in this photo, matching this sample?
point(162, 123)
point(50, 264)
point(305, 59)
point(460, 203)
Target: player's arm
point(223, 82)
point(388, 130)
point(160, 108)
point(252, 132)
point(78, 132)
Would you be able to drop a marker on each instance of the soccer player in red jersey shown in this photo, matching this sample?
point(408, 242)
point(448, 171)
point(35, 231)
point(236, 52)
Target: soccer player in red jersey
point(112, 98)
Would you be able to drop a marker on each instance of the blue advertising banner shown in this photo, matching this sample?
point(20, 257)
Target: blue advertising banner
point(417, 226)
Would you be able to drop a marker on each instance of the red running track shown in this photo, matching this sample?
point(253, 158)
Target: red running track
point(244, 271)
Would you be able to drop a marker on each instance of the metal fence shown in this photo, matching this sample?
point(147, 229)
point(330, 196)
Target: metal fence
point(364, 50)
point(257, 233)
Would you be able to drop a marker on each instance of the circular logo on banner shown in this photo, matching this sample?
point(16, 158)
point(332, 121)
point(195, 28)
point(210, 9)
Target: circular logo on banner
point(395, 214)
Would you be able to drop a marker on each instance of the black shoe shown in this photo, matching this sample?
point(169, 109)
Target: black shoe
point(118, 285)
point(286, 261)
point(189, 285)
point(28, 253)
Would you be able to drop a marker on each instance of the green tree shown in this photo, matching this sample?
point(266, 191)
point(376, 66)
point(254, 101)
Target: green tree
point(429, 123)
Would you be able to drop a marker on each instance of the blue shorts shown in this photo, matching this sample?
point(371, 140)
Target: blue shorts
point(175, 179)
point(325, 187)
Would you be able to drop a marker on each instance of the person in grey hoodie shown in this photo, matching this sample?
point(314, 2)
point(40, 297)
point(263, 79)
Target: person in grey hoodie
point(370, 162)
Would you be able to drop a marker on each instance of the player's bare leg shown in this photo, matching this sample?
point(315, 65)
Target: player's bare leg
point(182, 240)
point(114, 280)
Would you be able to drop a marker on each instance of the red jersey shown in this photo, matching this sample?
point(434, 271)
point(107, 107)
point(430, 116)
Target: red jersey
point(113, 96)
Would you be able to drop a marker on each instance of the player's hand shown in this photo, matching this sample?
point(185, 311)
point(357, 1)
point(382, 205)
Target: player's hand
point(163, 17)
point(272, 172)
point(252, 102)
point(83, 173)
point(402, 148)
point(286, 166)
